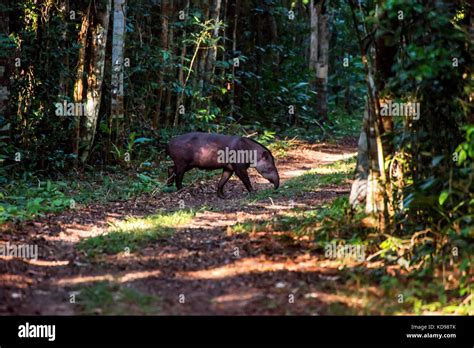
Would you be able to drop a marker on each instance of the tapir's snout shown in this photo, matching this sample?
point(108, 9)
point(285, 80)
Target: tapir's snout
point(275, 180)
point(276, 183)
point(271, 175)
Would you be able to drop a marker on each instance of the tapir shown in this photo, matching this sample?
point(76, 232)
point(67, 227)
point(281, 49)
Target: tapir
point(209, 151)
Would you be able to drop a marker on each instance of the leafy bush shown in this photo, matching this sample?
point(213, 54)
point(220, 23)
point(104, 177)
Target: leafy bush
point(20, 201)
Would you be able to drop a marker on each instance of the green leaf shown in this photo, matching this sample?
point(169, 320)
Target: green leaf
point(443, 196)
point(142, 140)
point(436, 160)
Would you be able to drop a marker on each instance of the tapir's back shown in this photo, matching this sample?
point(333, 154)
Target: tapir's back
point(200, 149)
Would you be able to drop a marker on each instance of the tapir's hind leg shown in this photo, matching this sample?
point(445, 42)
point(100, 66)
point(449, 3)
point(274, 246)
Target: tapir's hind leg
point(226, 174)
point(171, 176)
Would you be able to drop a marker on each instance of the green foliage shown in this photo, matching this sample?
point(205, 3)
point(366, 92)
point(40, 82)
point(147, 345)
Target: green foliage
point(266, 137)
point(272, 75)
point(431, 169)
point(20, 201)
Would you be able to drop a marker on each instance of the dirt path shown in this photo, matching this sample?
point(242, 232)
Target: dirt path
point(203, 268)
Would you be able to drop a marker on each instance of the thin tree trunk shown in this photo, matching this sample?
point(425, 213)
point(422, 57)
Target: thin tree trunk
point(95, 76)
point(169, 68)
point(201, 72)
point(234, 50)
point(180, 99)
point(5, 60)
point(79, 85)
point(224, 56)
point(275, 56)
point(371, 181)
point(165, 4)
point(322, 67)
point(63, 78)
point(212, 52)
point(365, 185)
point(314, 50)
point(118, 33)
point(313, 55)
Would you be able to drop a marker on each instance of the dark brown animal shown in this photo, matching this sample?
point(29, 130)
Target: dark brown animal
point(216, 151)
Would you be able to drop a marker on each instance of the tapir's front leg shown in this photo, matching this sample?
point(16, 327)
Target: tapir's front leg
point(171, 176)
point(241, 172)
point(179, 171)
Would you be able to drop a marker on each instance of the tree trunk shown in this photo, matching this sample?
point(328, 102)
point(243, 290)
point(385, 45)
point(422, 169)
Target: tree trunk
point(322, 66)
point(224, 55)
point(164, 44)
point(212, 52)
point(79, 85)
point(118, 34)
point(95, 76)
point(5, 61)
point(201, 71)
point(180, 98)
point(314, 43)
point(169, 68)
point(63, 78)
point(234, 51)
point(313, 47)
point(364, 187)
point(371, 183)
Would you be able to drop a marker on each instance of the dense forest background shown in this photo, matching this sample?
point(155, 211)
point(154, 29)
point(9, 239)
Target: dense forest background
point(92, 89)
point(205, 66)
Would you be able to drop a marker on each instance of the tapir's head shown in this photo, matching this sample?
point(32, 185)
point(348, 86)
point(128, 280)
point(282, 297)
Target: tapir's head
point(266, 167)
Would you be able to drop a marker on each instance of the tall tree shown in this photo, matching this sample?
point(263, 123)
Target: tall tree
point(4, 65)
point(181, 80)
point(118, 34)
point(236, 7)
point(95, 74)
point(202, 53)
point(165, 12)
point(63, 79)
point(168, 69)
point(212, 52)
point(319, 54)
point(371, 184)
point(370, 166)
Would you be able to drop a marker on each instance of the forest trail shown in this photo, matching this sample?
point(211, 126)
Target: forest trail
point(200, 266)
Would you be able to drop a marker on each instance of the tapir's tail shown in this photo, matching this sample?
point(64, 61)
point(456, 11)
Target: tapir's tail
point(167, 149)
